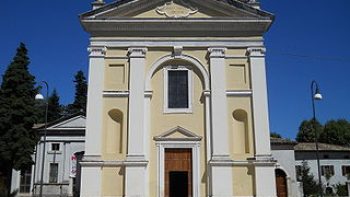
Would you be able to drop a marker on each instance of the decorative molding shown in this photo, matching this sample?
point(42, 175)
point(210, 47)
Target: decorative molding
point(193, 61)
point(218, 159)
point(195, 147)
point(92, 158)
point(135, 158)
point(177, 51)
point(97, 51)
point(206, 93)
point(97, 4)
point(148, 93)
point(172, 10)
point(115, 93)
point(239, 92)
point(137, 52)
point(256, 52)
point(166, 108)
point(218, 52)
point(190, 136)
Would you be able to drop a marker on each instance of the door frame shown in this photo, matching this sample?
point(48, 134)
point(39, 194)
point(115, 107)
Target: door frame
point(195, 147)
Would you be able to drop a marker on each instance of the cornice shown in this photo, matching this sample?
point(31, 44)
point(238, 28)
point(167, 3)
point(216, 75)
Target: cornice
point(177, 27)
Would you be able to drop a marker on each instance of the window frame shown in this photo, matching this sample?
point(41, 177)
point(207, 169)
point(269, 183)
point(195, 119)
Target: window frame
point(24, 186)
point(51, 173)
point(324, 170)
point(55, 144)
point(166, 70)
point(345, 168)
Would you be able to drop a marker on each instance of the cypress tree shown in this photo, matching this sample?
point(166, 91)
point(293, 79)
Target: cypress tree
point(54, 110)
point(79, 104)
point(17, 99)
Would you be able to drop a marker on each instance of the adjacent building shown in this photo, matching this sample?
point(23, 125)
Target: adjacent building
point(334, 163)
point(286, 177)
point(177, 99)
point(64, 147)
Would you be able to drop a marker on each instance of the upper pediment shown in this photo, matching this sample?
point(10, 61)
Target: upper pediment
point(206, 17)
point(175, 9)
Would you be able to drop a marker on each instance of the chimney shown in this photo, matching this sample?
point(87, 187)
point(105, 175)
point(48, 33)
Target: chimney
point(97, 4)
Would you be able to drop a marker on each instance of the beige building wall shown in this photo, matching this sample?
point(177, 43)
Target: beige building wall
point(116, 109)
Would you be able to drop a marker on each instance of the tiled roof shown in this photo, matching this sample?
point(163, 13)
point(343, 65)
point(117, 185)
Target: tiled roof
point(310, 146)
point(282, 141)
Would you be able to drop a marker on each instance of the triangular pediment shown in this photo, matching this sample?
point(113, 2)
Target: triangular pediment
point(77, 122)
point(176, 18)
point(178, 134)
point(176, 9)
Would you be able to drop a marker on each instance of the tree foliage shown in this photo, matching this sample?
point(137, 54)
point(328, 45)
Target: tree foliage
point(54, 108)
point(79, 104)
point(275, 135)
point(54, 111)
point(336, 132)
point(310, 187)
point(306, 131)
point(333, 132)
point(17, 115)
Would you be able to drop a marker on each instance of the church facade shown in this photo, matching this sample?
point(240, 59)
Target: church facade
point(177, 99)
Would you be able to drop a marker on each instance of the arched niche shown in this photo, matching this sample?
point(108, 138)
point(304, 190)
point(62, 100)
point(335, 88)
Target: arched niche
point(241, 132)
point(114, 132)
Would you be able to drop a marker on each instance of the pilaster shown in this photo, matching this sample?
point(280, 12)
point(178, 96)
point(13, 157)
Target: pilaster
point(218, 104)
point(136, 157)
point(264, 169)
point(221, 171)
point(91, 175)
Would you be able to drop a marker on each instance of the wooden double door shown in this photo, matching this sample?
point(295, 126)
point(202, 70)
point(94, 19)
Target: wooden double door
point(178, 172)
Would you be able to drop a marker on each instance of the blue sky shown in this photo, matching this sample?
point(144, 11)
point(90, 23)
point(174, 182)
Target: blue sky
point(308, 40)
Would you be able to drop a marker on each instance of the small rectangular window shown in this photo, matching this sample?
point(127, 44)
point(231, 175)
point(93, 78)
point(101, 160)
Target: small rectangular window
point(178, 89)
point(345, 170)
point(55, 146)
point(327, 169)
point(53, 178)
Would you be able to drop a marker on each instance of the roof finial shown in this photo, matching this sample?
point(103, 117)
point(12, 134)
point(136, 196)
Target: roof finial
point(97, 4)
point(254, 3)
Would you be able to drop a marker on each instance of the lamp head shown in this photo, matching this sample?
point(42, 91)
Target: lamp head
point(39, 97)
point(317, 95)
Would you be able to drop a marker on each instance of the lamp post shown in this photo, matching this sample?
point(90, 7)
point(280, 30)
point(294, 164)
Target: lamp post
point(41, 97)
point(316, 95)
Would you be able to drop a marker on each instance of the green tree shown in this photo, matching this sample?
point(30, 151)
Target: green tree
point(336, 132)
point(310, 187)
point(306, 131)
point(275, 135)
point(17, 116)
point(54, 108)
point(79, 104)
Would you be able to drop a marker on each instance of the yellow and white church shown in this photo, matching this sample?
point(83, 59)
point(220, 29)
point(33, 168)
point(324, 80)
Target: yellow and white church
point(177, 100)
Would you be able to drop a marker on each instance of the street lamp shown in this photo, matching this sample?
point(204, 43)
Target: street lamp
point(316, 95)
point(41, 97)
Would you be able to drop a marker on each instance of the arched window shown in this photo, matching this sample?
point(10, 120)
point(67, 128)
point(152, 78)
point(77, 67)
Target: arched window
point(177, 89)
